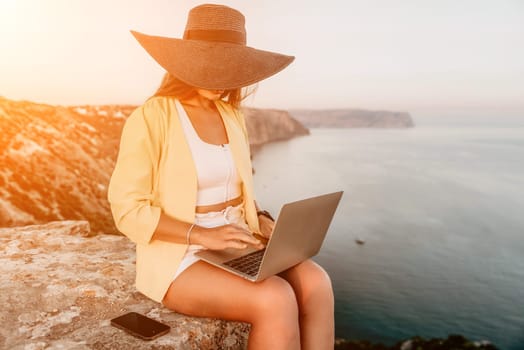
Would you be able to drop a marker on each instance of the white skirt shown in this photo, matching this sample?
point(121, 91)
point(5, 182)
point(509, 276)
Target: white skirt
point(230, 215)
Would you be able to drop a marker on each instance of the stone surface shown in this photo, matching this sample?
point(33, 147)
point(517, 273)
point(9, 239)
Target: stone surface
point(60, 288)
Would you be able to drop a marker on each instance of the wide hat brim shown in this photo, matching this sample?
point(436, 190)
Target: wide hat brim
point(213, 65)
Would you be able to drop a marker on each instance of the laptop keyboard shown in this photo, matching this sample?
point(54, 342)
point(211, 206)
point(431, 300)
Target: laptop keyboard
point(248, 264)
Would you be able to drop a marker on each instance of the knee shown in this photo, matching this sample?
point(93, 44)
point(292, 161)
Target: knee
point(315, 286)
point(275, 298)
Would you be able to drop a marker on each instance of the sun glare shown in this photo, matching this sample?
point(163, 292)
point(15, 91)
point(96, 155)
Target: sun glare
point(8, 14)
point(18, 16)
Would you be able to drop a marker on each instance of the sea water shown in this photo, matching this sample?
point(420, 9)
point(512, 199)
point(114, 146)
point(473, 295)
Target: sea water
point(440, 208)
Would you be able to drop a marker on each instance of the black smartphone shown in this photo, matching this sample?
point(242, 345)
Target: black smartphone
point(140, 326)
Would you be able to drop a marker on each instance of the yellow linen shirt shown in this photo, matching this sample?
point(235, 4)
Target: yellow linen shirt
point(155, 173)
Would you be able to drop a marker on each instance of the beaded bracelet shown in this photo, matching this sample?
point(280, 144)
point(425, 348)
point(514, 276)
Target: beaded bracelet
point(189, 233)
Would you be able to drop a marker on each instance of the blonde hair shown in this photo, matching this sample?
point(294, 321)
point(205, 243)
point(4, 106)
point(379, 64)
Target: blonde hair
point(171, 86)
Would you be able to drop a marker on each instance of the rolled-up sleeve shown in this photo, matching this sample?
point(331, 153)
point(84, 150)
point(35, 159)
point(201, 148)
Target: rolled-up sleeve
point(130, 192)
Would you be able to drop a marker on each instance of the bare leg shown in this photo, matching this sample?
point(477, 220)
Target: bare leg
point(314, 293)
point(270, 306)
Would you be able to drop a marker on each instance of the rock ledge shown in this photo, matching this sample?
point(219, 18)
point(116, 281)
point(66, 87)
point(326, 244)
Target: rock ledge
point(60, 288)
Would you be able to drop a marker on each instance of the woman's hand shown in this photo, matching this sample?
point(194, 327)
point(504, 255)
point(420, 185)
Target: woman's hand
point(222, 237)
point(266, 226)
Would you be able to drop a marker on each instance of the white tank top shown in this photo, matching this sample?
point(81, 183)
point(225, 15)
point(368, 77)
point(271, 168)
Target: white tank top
point(217, 176)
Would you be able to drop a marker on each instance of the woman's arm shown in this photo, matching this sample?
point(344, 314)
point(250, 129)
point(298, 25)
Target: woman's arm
point(130, 188)
point(173, 230)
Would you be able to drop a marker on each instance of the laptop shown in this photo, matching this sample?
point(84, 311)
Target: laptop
point(297, 235)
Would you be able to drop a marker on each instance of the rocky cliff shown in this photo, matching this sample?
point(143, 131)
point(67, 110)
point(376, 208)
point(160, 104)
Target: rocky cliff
point(452, 342)
point(55, 161)
point(269, 125)
point(352, 118)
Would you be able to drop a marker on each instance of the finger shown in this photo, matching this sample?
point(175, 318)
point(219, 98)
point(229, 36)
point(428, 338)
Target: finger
point(261, 238)
point(236, 245)
point(242, 245)
point(239, 232)
point(244, 237)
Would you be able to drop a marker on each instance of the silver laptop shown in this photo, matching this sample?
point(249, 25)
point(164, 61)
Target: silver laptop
point(298, 235)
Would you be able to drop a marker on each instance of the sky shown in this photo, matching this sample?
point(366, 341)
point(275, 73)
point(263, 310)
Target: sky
point(440, 56)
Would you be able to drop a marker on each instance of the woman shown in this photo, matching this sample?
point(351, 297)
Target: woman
point(183, 182)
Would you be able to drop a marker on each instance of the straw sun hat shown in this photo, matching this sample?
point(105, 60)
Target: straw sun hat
point(213, 54)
